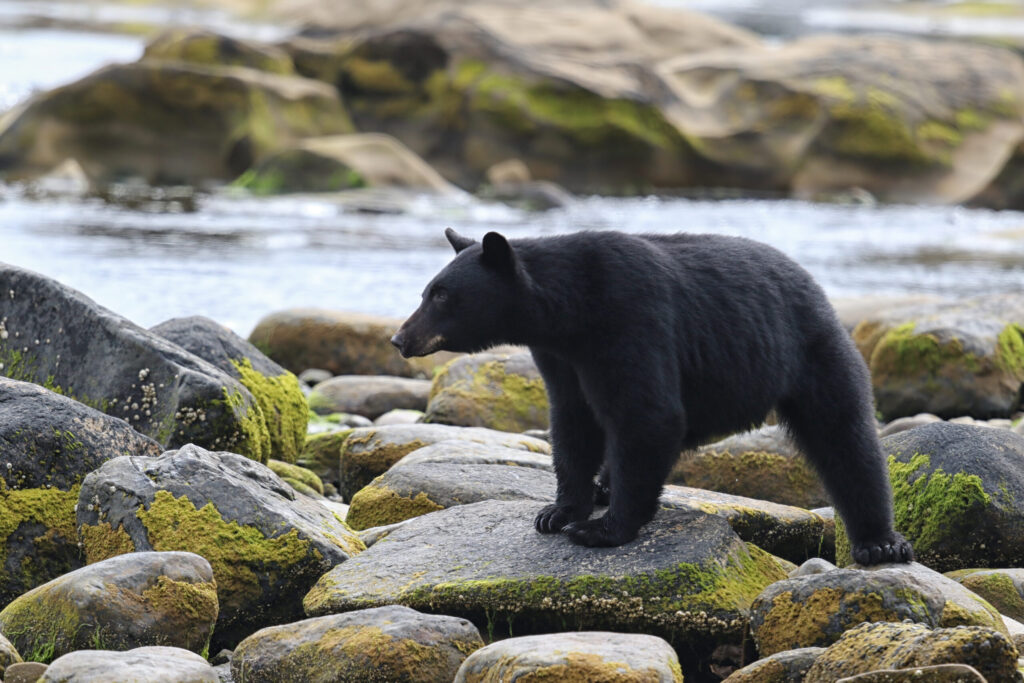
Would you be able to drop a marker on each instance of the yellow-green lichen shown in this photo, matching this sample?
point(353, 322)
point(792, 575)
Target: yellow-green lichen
point(283, 406)
point(54, 510)
point(836, 87)
point(901, 352)
point(101, 541)
point(378, 505)
point(579, 667)
point(369, 455)
point(321, 454)
point(192, 607)
point(1010, 349)
point(997, 588)
point(296, 473)
point(492, 397)
point(42, 629)
point(242, 557)
point(245, 429)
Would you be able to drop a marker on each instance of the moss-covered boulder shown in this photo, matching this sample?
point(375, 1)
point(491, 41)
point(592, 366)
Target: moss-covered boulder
point(874, 646)
point(369, 452)
point(1003, 588)
point(406, 491)
point(200, 46)
point(153, 664)
point(8, 655)
point(393, 643)
point(493, 390)
point(368, 395)
point(815, 610)
point(465, 452)
point(55, 336)
point(687, 578)
point(121, 603)
point(265, 543)
point(343, 162)
point(964, 357)
point(48, 443)
point(958, 492)
point(586, 656)
point(296, 476)
point(341, 343)
point(167, 122)
point(321, 454)
point(789, 666)
point(907, 120)
point(567, 90)
point(783, 530)
point(762, 464)
point(276, 390)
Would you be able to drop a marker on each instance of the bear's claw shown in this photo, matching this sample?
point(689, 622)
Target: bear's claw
point(553, 518)
point(894, 549)
point(596, 533)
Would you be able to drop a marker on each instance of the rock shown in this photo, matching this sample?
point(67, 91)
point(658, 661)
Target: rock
point(789, 666)
point(687, 578)
point(763, 464)
point(369, 452)
point(124, 602)
point(313, 376)
point(406, 491)
point(826, 114)
point(335, 422)
point(789, 532)
point(48, 443)
point(391, 643)
point(957, 492)
point(206, 48)
point(586, 656)
point(940, 673)
point(958, 358)
point(496, 391)
point(8, 654)
point(341, 343)
point(263, 541)
point(537, 195)
point(343, 162)
point(465, 452)
point(296, 474)
point(902, 424)
point(151, 664)
point(322, 454)
point(53, 335)
point(852, 310)
point(1004, 588)
point(870, 647)
point(399, 416)
point(815, 610)
point(275, 389)
point(813, 566)
point(167, 122)
point(24, 672)
point(370, 396)
point(564, 89)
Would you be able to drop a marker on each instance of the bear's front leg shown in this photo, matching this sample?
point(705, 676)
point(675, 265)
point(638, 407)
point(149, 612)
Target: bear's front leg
point(578, 445)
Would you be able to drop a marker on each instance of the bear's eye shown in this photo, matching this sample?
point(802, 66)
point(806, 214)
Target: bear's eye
point(440, 295)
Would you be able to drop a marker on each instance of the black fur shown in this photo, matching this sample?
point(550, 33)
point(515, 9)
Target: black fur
point(652, 344)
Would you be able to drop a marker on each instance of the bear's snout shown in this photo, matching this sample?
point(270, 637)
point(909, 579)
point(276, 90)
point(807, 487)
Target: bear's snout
point(398, 341)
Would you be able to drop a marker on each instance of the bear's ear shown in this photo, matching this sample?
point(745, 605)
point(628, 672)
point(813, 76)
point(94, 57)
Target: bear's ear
point(457, 241)
point(498, 252)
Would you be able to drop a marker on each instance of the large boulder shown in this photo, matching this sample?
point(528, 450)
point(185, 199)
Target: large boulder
point(123, 602)
point(167, 122)
point(55, 336)
point(341, 343)
point(368, 395)
point(393, 643)
point(493, 390)
point(265, 543)
point(954, 358)
point(276, 390)
point(907, 120)
point(1003, 588)
point(153, 664)
point(48, 443)
point(204, 47)
point(687, 578)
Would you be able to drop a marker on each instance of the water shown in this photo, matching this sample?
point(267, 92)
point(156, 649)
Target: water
point(234, 258)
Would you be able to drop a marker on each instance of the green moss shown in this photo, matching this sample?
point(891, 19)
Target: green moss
point(378, 505)
point(971, 120)
point(492, 397)
point(242, 557)
point(190, 603)
point(101, 541)
point(55, 511)
point(901, 352)
point(376, 76)
point(997, 588)
point(298, 473)
point(40, 629)
point(1010, 349)
point(244, 429)
point(367, 456)
point(872, 132)
point(283, 406)
point(836, 87)
point(321, 454)
point(935, 131)
point(933, 508)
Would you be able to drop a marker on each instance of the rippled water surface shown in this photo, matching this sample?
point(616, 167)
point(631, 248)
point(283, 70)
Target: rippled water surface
point(235, 258)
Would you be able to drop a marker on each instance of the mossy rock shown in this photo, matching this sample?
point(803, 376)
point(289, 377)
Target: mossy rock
point(369, 452)
point(368, 395)
point(391, 644)
point(762, 464)
point(957, 492)
point(167, 122)
point(815, 610)
point(56, 337)
point(789, 666)
point(121, 603)
point(281, 402)
point(153, 664)
point(571, 657)
point(950, 359)
point(199, 46)
point(264, 542)
point(878, 646)
point(496, 391)
point(687, 578)
point(1003, 588)
point(288, 471)
point(321, 455)
point(339, 342)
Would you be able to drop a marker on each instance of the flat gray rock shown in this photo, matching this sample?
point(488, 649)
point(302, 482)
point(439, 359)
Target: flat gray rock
point(369, 396)
point(152, 664)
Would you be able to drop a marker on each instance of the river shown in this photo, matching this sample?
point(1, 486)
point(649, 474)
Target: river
point(235, 258)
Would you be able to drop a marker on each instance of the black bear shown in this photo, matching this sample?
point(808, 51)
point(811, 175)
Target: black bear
point(652, 344)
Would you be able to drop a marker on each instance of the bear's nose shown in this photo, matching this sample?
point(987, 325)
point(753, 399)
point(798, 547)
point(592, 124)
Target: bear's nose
point(397, 341)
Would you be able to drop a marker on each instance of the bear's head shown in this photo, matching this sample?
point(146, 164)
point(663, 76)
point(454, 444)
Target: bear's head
point(470, 305)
